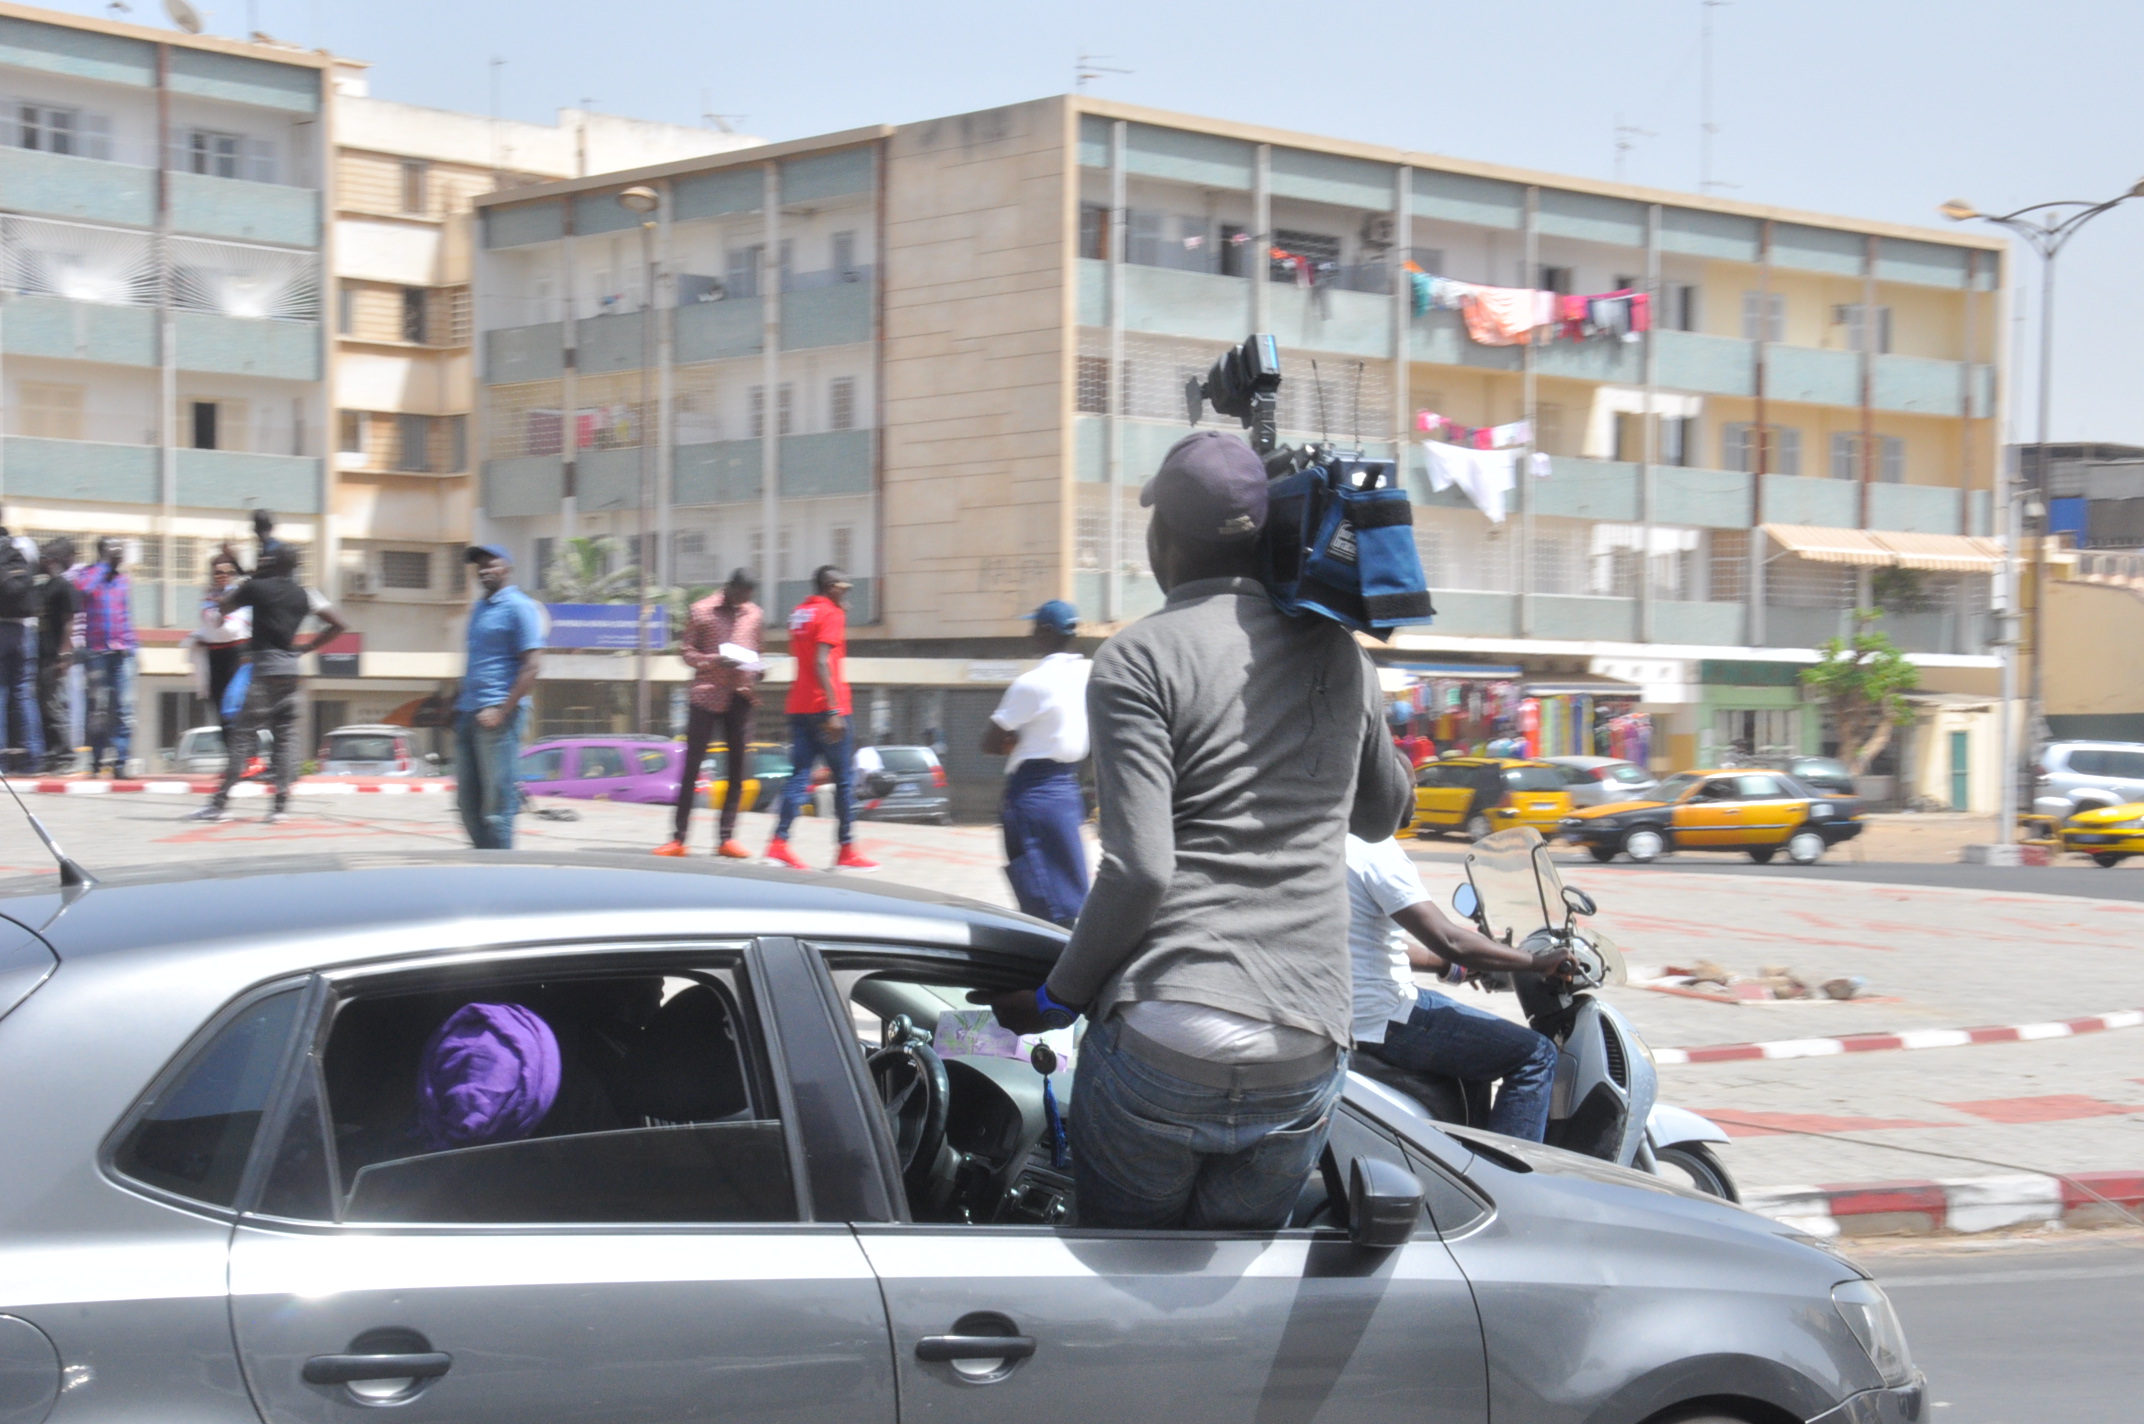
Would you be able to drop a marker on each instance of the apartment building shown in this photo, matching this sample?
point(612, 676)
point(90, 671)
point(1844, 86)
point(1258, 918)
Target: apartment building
point(978, 330)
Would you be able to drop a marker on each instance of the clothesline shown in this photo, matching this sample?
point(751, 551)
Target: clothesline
point(1515, 316)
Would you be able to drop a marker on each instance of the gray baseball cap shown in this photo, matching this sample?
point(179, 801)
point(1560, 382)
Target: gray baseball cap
point(1211, 487)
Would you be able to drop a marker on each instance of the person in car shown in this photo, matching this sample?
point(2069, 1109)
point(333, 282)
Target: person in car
point(1420, 1029)
point(490, 1074)
point(1234, 748)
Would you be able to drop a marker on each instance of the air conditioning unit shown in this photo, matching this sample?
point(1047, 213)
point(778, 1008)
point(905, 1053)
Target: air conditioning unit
point(356, 583)
point(1378, 229)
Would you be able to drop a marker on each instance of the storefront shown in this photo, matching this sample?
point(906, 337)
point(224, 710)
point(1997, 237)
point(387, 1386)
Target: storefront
point(1501, 709)
point(1584, 716)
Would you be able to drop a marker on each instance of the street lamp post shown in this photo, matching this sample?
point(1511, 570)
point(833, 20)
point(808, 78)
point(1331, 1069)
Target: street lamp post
point(2047, 229)
point(644, 201)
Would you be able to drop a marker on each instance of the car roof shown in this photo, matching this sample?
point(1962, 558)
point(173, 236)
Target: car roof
point(1588, 761)
point(2097, 746)
point(1488, 761)
point(367, 727)
point(303, 911)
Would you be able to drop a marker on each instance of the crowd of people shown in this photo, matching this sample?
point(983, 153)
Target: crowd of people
point(67, 656)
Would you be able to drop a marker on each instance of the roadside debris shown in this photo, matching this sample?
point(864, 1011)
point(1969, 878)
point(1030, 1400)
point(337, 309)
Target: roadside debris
point(1771, 984)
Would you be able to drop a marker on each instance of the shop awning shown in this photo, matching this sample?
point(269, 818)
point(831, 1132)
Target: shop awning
point(1494, 672)
point(1831, 546)
point(1889, 549)
point(1579, 687)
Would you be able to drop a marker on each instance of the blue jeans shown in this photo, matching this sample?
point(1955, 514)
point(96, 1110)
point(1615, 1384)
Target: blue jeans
point(1445, 1037)
point(809, 744)
point(108, 702)
point(1152, 1151)
point(1045, 859)
point(487, 777)
point(21, 718)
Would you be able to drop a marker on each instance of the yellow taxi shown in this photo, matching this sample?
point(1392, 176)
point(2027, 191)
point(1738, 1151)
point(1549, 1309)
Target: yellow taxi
point(2108, 834)
point(1478, 796)
point(1756, 812)
point(769, 770)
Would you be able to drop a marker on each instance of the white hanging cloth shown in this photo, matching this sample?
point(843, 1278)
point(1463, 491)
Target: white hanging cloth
point(1484, 476)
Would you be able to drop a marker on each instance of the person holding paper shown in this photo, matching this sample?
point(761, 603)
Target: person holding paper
point(722, 647)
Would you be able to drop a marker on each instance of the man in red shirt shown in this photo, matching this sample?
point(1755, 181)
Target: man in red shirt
point(819, 714)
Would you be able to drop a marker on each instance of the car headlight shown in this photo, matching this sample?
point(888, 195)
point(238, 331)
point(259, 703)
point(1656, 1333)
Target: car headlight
point(1867, 1312)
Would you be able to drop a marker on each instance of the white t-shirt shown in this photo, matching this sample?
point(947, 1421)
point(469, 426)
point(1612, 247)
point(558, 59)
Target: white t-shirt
point(1047, 707)
point(1381, 880)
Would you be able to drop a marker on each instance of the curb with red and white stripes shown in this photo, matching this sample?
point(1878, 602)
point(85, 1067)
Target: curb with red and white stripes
point(1908, 1041)
point(181, 786)
point(1956, 1204)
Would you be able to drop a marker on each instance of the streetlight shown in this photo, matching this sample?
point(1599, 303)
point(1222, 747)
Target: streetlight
point(2047, 229)
point(644, 201)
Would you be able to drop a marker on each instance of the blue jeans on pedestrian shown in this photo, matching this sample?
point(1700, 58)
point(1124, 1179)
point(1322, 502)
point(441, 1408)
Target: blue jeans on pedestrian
point(808, 745)
point(22, 721)
point(1445, 1037)
point(1045, 858)
point(1154, 1151)
point(108, 700)
point(487, 777)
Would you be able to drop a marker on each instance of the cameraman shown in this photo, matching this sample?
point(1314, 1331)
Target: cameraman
point(1234, 749)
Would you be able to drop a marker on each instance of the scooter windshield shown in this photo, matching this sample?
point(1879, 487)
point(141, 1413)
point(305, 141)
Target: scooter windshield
point(1519, 888)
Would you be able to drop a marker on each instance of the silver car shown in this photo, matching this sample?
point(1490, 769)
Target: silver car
point(369, 750)
point(2085, 776)
point(201, 752)
point(747, 1153)
point(1602, 781)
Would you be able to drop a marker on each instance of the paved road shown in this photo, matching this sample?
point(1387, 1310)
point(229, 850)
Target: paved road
point(2029, 1334)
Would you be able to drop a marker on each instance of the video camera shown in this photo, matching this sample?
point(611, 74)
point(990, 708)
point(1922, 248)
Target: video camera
point(1339, 534)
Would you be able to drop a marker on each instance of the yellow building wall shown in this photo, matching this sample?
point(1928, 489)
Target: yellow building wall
point(2094, 636)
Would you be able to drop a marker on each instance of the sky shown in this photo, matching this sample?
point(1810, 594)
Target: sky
point(1870, 108)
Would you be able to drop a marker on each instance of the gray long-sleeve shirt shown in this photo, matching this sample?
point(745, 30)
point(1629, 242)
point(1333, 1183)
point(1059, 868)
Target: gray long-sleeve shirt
point(1234, 750)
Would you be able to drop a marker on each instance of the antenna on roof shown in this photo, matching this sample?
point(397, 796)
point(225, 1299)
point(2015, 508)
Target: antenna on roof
point(187, 18)
point(73, 878)
point(720, 121)
point(1086, 68)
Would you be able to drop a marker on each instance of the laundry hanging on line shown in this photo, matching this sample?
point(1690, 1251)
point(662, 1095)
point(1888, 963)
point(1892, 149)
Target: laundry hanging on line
point(1484, 476)
point(1486, 437)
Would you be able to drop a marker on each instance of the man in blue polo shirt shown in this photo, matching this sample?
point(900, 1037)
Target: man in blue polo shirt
point(506, 637)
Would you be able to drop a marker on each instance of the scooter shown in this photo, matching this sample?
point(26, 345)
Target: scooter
point(1603, 1103)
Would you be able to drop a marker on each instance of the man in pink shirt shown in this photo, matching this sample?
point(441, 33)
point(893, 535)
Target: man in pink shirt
point(724, 692)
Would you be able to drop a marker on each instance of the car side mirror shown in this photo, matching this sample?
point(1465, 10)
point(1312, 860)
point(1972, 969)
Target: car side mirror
point(1466, 901)
point(1577, 901)
point(1384, 1204)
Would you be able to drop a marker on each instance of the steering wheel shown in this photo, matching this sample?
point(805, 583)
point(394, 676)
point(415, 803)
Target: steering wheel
point(912, 1087)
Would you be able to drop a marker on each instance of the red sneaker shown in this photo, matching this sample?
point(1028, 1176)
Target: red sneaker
point(853, 859)
point(671, 848)
point(778, 851)
point(733, 849)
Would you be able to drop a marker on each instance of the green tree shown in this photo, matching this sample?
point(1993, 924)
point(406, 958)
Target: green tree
point(1863, 681)
point(582, 573)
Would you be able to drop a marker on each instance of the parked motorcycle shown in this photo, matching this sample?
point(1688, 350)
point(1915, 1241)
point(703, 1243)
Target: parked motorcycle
point(1603, 1104)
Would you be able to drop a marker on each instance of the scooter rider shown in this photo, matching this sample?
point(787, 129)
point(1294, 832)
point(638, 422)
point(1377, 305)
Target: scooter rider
point(1422, 1030)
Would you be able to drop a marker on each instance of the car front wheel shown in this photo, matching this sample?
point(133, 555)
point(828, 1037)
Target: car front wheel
point(1805, 847)
point(1601, 853)
point(2107, 860)
point(1763, 854)
point(1645, 847)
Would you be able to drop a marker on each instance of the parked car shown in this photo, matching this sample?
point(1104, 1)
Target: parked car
point(1759, 813)
point(1478, 796)
point(2108, 834)
point(2088, 776)
point(767, 775)
point(370, 750)
point(901, 784)
point(1596, 781)
point(201, 752)
point(780, 1162)
point(639, 769)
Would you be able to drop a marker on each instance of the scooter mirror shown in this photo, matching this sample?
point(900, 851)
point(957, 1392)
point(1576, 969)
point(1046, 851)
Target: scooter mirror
point(1465, 901)
point(1577, 901)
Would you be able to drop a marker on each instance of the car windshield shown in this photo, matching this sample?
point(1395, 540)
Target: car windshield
point(1677, 786)
point(1817, 766)
point(360, 746)
point(904, 761)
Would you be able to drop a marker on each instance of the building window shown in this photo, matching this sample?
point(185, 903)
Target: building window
point(345, 309)
point(784, 414)
point(350, 432)
point(845, 254)
point(1234, 239)
point(416, 186)
point(1679, 306)
point(545, 548)
point(1891, 457)
point(405, 568)
point(1850, 317)
point(743, 268)
point(841, 547)
point(1764, 316)
point(413, 440)
point(1783, 448)
point(204, 425)
point(841, 403)
point(49, 411)
point(1093, 382)
point(1557, 280)
point(216, 155)
point(415, 325)
point(1321, 250)
point(1678, 439)
point(1094, 231)
point(68, 131)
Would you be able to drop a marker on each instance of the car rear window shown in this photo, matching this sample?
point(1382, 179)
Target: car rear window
point(1533, 778)
point(2129, 766)
point(770, 766)
point(366, 746)
point(905, 761)
point(1628, 774)
point(543, 763)
point(652, 760)
point(193, 1136)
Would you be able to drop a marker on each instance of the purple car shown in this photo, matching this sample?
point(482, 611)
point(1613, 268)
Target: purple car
point(639, 769)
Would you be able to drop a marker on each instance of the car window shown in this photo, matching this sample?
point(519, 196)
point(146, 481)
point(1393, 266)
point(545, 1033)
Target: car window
point(1574, 775)
point(361, 747)
point(1676, 787)
point(906, 761)
point(619, 1096)
point(1629, 775)
point(2086, 762)
point(1433, 776)
point(652, 761)
point(715, 766)
point(598, 763)
point(1533, 778)
point(1758, 788)
point(771, 766)
point(193, 1135)
point(543, 764)
point(2129, 766)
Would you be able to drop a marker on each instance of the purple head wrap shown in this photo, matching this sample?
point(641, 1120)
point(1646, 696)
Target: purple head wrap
point(488, 1075)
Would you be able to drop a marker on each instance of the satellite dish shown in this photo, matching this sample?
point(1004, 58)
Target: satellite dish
point(185, 16)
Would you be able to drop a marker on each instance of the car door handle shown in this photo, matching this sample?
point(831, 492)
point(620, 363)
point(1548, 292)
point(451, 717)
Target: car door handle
point(941, 1348)
point(347, 1369)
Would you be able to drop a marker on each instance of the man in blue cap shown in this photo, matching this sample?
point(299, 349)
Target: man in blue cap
point(1040, 728)
point(506, 638)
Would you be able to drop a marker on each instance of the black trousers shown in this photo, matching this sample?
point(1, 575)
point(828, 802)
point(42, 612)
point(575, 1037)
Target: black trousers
point(274, 703)
point(736, 723)
point(52, 697)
